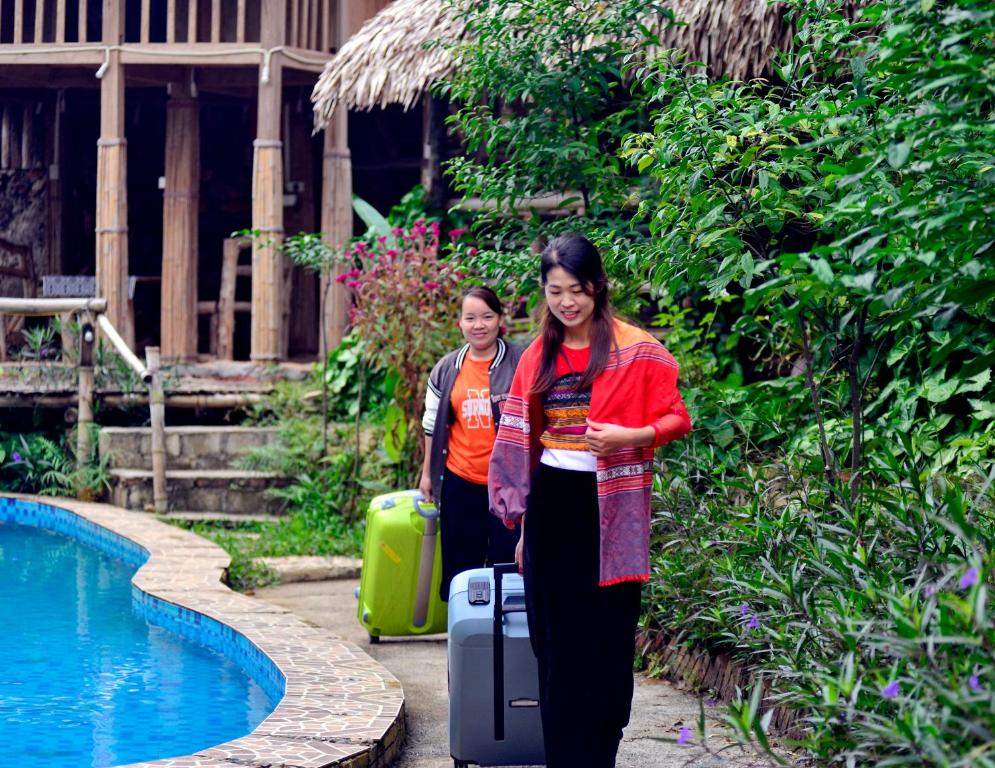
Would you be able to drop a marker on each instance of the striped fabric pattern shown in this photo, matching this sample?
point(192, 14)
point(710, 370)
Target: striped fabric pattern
point(566, 411)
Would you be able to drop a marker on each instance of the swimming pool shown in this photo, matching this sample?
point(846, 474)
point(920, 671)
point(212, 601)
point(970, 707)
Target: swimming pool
point(337, 706)
point(87, 678)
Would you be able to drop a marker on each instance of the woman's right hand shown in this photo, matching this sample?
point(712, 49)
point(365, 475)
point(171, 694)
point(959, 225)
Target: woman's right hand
point(425, 486)
point(520, 554)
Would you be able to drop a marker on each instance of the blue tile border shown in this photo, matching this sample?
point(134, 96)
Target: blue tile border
point(185, 622)
point(338, 707)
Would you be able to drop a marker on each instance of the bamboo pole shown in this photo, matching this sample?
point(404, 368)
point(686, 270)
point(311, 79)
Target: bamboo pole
point(240, 23)
point(112, 185)
point(192, 21)
point(84, 418)
point(122, 348)
point(39, 21)
point(336, 223)
point(157, 411)
point(145, 21)
point(60, 21)
point(226, 298)
point(44, 307)
point(267, 199)
point(215, 21)
point(19, 22)
point(178, 317)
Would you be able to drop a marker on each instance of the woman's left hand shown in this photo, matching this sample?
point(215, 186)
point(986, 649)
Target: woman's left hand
point(603, 439)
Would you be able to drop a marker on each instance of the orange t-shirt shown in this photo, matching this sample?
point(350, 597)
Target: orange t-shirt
point(471, 436)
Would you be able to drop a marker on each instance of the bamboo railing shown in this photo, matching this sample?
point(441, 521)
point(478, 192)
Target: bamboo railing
point(309, 23)
point(93, 317)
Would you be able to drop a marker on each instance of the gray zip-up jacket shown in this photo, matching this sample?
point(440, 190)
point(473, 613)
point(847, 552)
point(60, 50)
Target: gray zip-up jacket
point(438, 411)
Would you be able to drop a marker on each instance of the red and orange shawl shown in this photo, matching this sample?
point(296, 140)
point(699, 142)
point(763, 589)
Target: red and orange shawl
point(638, 388)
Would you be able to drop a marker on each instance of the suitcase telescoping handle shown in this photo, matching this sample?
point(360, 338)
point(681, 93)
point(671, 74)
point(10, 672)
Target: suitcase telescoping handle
point(426, 564)
point(500, 570)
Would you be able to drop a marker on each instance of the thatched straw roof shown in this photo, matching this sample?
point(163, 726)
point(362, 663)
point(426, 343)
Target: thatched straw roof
point(387, 61)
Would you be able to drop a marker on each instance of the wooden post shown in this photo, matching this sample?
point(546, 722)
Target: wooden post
point(112, 186)
point(226, 298)
point(267, 198)
point(157, 411)
point(84, 417)
point(336, 224)
point(178, 321)
point(336, 193)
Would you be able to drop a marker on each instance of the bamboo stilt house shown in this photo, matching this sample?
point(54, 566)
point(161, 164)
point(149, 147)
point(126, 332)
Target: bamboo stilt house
point(137, 136)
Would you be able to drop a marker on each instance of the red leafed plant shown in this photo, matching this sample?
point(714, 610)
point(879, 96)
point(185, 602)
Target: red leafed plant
point(405, 309)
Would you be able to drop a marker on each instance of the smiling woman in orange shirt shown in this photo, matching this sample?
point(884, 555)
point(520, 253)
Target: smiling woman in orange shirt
point(463, 405)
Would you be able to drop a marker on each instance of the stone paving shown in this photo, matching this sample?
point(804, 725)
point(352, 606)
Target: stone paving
point(340, 708)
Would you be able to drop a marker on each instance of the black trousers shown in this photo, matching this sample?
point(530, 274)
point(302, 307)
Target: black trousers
point(583, 634)
point(471, 536)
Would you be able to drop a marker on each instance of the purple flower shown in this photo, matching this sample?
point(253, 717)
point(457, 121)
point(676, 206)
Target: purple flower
point(970, 578)
point(744, 609)
point(891, 690)
point(685, 735)
point(973, 683)
point(712, 703)
point(18, 458)
point(754, 622)
point(931, 589)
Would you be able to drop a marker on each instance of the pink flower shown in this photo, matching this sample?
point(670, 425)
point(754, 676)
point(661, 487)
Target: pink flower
point(382, 240)
point(342, 278)
point(431, 285)
point(397, 231)
point(360, 247)
point(471, 251)
point(435, 228)
point(353, 283)
point(392, 253)
point(457, 233)
point(354, 273)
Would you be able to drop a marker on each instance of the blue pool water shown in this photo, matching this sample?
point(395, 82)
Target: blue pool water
point(85, 681)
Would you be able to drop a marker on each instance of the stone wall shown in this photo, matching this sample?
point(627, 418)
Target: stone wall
point(717, 676)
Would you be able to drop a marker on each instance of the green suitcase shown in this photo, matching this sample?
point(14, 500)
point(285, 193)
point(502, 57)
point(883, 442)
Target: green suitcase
point(402, 568)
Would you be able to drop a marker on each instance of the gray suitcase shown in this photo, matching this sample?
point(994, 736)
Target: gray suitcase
point(493, 677)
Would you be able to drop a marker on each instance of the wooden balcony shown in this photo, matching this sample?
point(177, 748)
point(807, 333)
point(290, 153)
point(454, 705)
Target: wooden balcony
point(165, 31)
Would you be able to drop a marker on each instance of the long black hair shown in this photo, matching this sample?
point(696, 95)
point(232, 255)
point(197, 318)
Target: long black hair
point(576, 255)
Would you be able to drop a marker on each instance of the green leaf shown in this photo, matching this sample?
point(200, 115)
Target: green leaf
point(897, 154)
point(372, 218)
point(822, 270)
point(983, 409)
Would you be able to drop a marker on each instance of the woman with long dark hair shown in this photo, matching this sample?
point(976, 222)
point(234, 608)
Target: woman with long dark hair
point(573, 463)
point(466, 392)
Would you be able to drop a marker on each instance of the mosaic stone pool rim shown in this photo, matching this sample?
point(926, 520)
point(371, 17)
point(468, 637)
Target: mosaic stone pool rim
point(339, 707)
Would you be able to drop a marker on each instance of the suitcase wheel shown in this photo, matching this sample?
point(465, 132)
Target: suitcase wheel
point(374, 639)
point(460, 763)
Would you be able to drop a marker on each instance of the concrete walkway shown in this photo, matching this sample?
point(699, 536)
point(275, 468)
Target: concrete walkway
point(658, 709)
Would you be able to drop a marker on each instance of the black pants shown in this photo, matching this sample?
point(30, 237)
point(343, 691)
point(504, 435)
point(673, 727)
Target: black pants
point(471, 536)
point(583, 634)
